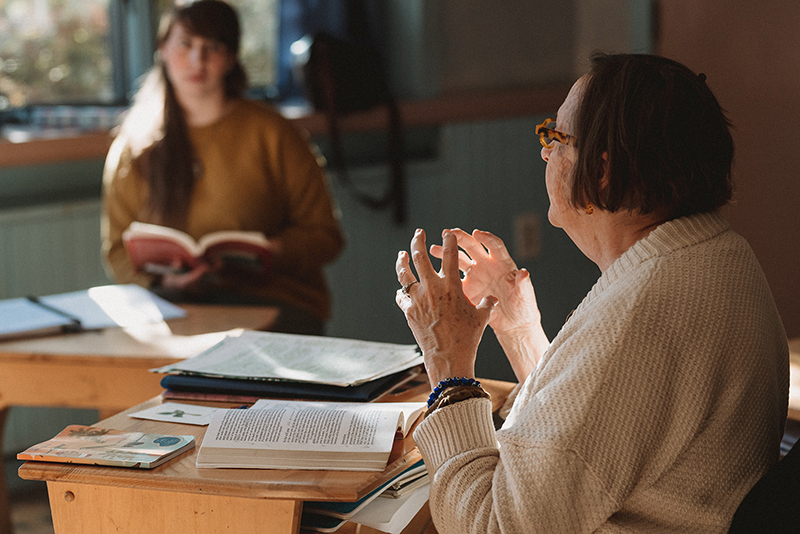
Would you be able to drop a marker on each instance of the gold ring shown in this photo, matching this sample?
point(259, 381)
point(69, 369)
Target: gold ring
point(407, 286)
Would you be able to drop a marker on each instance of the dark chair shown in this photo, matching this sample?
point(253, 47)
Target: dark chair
point(773, 504)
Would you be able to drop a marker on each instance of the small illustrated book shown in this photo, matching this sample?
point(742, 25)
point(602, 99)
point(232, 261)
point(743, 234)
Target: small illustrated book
point(79, 444)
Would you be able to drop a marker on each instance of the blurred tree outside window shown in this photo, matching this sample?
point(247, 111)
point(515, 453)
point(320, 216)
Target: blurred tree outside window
point(59, 52)
point(54, 51)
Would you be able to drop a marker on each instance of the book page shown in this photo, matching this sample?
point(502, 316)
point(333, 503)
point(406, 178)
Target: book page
point(306, 426)
point(324, 360)
point(255, 238)
point(140, 229)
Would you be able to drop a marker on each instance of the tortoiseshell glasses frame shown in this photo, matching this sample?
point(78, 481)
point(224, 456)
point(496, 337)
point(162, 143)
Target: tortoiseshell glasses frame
point(549, 136)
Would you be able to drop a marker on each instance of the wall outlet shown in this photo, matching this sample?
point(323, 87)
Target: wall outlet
point(527, 236)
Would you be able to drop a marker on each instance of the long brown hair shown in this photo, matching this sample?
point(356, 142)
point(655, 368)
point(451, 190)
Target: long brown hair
point(156, 127)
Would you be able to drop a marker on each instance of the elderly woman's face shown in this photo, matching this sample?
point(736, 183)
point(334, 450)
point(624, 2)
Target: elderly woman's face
point(560, 159)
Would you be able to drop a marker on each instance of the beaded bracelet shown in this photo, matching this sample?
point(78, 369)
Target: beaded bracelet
point(456, 394)
point(448, 383)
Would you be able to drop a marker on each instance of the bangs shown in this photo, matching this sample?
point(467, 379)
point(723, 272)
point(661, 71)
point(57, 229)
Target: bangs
point(210, 19)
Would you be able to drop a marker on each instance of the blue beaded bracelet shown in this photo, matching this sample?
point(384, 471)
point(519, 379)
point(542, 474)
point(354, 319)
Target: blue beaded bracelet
point(449, 383)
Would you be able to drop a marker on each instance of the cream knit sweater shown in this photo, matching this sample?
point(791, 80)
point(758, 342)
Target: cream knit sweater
point(657, 406)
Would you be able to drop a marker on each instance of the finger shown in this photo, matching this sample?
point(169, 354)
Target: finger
point(497, 249)
point(419, 256)
point(403, 300)
point(470, 245)
point(403, 269)
point(450, 258)
point(464, 261)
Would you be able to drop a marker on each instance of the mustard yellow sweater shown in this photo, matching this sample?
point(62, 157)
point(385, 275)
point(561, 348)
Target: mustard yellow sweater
point(657, 406)
point(259, 175)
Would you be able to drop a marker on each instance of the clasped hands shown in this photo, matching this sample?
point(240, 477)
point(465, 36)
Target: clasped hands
point(447, 313)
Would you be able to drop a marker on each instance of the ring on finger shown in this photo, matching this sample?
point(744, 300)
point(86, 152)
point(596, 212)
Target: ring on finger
point(408, 286)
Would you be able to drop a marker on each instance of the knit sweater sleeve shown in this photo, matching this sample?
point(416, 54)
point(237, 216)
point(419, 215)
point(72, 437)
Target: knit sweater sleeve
point(480, 485)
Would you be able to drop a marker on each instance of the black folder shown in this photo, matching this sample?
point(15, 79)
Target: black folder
point(281, 388)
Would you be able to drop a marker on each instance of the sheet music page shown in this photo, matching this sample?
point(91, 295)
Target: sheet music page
point(316, 359)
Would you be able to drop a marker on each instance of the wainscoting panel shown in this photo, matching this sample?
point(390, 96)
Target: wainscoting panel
point(46, 250)
point(50, 249)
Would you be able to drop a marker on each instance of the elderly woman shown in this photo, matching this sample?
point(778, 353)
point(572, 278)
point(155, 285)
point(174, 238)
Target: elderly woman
point(663, 398)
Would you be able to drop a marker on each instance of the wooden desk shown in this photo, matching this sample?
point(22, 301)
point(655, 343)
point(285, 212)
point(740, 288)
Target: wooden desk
point(108, 369)
point(178, 497)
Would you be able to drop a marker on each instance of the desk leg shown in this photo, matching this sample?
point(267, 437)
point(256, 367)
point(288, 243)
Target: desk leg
point(5, 507)
point(90, 509)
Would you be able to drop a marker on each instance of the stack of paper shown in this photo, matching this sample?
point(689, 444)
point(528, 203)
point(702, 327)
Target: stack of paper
point(274, 364)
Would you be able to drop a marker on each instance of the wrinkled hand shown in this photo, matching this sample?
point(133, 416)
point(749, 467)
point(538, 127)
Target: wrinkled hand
point(489, 270)
point(447, 326)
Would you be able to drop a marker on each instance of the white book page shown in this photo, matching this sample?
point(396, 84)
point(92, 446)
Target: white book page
point(319, 359)
point(155, 230)
point(308, 426)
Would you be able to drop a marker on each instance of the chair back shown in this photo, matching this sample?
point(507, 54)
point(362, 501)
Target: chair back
point(773, 504)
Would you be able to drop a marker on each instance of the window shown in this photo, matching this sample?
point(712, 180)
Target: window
point(54, 51)
point(75, 63)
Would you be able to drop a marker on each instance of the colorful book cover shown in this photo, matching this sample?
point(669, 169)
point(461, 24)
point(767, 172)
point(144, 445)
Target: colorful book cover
point(102, 446)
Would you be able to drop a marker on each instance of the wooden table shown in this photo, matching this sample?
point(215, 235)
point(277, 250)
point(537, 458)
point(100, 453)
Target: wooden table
point(109, 369)
point(178, 497)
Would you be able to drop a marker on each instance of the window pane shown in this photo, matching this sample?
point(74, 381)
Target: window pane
point(259, 20)
point(54, 51)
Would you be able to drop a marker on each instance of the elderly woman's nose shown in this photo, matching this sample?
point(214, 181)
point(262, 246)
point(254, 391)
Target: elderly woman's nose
point(546, 153)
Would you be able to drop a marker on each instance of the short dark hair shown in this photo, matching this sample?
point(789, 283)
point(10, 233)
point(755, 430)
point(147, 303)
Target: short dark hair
point(667, 139)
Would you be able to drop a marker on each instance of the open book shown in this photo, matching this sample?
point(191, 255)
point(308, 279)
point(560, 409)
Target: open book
point(160, 249)
point(282, 434)
point(78, 444)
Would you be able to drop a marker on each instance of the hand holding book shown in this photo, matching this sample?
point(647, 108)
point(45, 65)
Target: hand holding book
point(160, 250)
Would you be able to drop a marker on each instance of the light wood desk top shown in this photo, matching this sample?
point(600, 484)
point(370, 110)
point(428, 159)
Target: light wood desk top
point(209, 498)
point(109, 369)
point(176, 338)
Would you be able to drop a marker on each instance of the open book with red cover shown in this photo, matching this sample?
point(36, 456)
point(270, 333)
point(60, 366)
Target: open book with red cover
point(159, 249)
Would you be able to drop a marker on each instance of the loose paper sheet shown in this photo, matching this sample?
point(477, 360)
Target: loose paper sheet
point(174, 412)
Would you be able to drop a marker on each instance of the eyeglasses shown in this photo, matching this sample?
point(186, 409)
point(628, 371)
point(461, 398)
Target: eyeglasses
point(548, 136)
